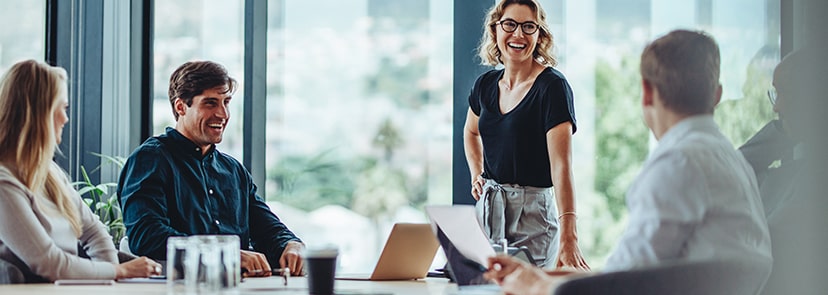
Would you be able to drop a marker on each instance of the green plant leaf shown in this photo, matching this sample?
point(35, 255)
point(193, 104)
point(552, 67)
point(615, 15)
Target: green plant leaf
point(85, 190)
point(116, 224)
point(106, 208)
point(119, 161)
point(103, 188)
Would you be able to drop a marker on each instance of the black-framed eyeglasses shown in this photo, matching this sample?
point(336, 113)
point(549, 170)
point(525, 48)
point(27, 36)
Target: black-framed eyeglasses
point(772, 95)
point(510, 25)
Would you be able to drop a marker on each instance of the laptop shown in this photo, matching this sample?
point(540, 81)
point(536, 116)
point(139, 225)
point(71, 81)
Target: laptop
point(407, 255)
point(459, 224)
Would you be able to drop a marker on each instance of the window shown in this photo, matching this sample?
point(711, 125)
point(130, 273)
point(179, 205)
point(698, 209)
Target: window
point(24, 37)
point(359, 104)
point(359, 124)
point(199, 30)
point(599, 44)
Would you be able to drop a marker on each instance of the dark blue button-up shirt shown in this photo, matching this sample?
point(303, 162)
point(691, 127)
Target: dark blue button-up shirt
point(168, 188)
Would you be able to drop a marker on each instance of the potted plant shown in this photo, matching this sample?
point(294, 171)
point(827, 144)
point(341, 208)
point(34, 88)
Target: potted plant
point(102, 199)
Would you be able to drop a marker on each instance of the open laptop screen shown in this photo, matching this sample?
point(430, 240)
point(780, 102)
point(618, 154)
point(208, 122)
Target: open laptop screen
point(462, 270)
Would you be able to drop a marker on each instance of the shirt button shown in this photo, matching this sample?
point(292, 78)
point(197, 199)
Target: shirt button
point(210, 191)
point(198, 149)
point(217, 222)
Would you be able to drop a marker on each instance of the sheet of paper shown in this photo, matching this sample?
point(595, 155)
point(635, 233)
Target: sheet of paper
point(71, 282)
point(142, 281)
point(459, 223)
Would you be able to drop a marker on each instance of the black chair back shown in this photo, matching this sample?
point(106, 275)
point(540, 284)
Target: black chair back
point(10, 274)
point(708, 277)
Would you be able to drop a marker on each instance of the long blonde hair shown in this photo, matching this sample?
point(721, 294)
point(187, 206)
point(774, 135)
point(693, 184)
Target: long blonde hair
point(490, 54)
point(29, 97)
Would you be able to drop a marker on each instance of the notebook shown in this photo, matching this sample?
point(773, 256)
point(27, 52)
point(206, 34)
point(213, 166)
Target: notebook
point(407, 255)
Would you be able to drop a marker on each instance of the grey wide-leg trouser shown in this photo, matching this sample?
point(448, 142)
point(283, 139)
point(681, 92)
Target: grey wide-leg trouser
point(523, 215)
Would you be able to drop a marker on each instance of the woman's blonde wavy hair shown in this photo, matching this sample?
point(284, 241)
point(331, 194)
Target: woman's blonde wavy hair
point(490, 54)
point(29, 97)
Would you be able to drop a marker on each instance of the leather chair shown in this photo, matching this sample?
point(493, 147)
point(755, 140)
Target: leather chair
point(707, 277)
point(10, 274)
point(122, 255)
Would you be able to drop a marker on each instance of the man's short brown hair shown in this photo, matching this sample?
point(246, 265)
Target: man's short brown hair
point(684, 67)
point(193, 77)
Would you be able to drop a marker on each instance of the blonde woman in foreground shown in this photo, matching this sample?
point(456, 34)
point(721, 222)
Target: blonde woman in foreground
point(42, 219)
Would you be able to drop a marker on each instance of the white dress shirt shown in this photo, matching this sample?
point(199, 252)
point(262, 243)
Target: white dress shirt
point(695, 199)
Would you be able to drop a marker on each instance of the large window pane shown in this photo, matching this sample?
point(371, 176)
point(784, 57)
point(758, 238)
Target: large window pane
point(599, 43)
point(24, 33)
point(748, 35)
point(187, 30)
point(359, 101)
point(359, 118)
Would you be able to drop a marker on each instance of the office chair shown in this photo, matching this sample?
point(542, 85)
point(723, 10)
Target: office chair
point(707, 277)
point(10, 274)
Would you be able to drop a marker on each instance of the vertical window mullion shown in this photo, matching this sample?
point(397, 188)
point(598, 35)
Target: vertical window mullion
point(255, 90)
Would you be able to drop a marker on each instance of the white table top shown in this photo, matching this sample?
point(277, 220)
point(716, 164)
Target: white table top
point(270, 285)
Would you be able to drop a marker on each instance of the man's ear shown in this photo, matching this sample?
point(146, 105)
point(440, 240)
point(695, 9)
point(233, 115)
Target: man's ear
point(647, 93)
point(718, 95)
point(179, 107)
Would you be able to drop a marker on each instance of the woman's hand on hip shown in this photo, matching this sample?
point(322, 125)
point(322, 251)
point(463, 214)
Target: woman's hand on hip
point(477, 187)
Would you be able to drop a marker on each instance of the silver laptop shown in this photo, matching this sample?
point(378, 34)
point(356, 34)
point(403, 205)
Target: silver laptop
point(407, 254)
point(466, 272)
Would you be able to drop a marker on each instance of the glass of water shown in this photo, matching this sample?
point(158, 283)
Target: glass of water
point(203, 263)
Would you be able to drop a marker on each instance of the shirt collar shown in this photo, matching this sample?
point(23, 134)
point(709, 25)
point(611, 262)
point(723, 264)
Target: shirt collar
point(185, 145)
point(680, 129)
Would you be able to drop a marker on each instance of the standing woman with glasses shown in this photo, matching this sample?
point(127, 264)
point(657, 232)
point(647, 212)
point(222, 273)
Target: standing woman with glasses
point(42, 219)
point(518, 135)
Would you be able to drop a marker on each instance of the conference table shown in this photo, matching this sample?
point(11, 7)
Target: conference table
point(269, 285)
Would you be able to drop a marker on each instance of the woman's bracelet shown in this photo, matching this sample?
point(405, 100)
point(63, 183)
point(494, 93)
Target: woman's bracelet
point(567, 213)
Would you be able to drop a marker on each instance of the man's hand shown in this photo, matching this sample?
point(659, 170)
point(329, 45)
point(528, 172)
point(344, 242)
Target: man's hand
point(292, 257)
point(254, 264)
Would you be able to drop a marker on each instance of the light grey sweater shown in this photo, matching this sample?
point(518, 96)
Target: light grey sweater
point(40, 241)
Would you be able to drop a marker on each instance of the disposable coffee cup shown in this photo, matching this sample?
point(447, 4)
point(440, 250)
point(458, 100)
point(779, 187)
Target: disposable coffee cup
point(321, 269)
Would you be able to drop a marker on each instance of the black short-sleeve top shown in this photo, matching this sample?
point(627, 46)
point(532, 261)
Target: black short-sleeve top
point(514, 143)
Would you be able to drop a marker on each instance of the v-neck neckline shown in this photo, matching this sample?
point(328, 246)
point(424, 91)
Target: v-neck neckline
point(522, 99)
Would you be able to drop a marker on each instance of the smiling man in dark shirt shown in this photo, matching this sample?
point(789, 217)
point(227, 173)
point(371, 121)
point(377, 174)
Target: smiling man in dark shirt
point(178, 184)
